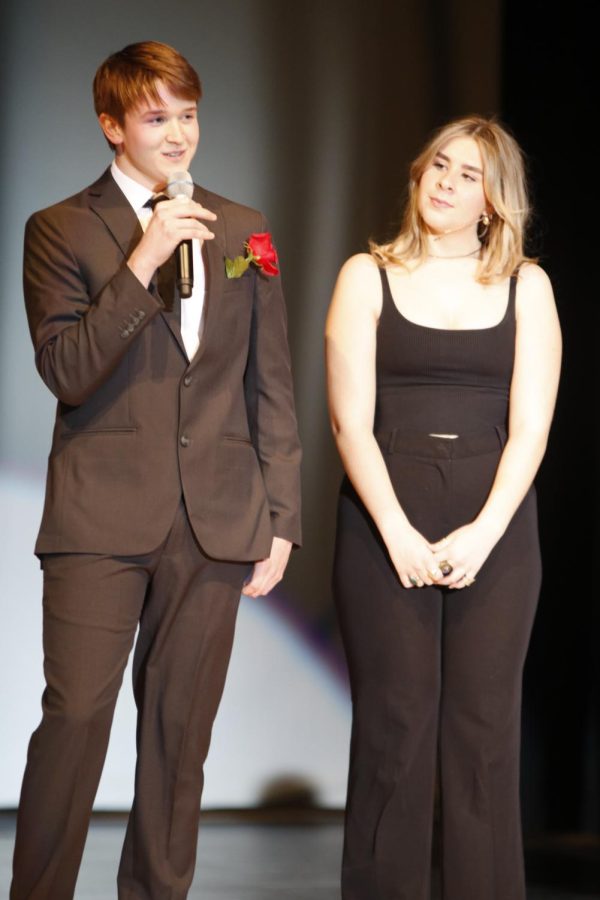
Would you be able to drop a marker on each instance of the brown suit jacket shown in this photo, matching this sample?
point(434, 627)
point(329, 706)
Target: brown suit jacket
point(136, 423)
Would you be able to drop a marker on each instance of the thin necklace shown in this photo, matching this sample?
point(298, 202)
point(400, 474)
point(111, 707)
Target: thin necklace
point(458, 256)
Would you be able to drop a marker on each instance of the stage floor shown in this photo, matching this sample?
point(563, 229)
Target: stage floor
point(242, 858)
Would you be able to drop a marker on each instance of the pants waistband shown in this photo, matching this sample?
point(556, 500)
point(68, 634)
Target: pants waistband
point(418, 444)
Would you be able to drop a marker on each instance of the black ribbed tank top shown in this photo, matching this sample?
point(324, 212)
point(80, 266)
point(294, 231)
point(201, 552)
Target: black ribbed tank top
point(442, 381)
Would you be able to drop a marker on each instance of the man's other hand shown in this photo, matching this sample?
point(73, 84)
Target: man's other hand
point(268, 572)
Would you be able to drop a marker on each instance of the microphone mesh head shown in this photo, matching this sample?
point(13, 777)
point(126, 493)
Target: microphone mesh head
point(180, 184)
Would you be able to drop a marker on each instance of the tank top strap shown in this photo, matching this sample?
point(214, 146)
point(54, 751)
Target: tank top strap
point(512, 296)
point(385, 289)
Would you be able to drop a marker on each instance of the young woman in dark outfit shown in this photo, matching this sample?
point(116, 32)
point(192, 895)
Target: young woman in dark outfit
point(443, 352)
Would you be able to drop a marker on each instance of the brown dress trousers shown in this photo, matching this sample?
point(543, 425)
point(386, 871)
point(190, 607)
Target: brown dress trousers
point(186, 607)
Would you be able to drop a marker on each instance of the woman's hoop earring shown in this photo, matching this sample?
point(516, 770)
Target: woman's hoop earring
point(485, 220)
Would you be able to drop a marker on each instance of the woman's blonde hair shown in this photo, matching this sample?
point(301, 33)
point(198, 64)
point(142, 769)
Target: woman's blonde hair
point(505, 189)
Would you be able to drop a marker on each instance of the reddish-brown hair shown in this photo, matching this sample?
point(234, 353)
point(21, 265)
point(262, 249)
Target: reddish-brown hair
point(128, 78)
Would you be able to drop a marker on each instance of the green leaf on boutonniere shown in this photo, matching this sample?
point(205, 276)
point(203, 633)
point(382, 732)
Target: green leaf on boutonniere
point(235, 268)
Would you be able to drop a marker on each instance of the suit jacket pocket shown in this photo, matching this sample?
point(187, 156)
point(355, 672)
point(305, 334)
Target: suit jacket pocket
point(78, 432)
point(237, 482)
point(87, 444)
point(237, 439)
point(242, 285)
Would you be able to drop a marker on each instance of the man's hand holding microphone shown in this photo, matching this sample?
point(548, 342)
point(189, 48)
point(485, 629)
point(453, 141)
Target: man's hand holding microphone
point(175, 221)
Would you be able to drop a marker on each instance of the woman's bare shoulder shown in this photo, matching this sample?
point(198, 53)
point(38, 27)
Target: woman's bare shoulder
point(361, 265)
point(359, 283)
point(533, 278)
point(535, 296)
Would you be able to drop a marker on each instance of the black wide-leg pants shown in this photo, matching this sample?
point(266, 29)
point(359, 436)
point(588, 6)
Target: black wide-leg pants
point(435, 675)
point(186, 606)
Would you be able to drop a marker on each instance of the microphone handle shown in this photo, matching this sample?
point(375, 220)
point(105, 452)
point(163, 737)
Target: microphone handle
point(185, 269)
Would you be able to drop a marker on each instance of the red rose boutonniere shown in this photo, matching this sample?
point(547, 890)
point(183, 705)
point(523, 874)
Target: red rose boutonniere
point(261, 252)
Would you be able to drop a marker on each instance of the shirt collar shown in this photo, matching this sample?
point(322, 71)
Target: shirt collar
point(136, 194)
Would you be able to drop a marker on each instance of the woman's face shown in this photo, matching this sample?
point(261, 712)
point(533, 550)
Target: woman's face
point(450, 195)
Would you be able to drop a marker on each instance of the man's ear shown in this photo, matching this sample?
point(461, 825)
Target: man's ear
point(113, 132)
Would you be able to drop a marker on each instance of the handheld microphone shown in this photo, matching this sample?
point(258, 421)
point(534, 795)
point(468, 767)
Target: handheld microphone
point(181, 185)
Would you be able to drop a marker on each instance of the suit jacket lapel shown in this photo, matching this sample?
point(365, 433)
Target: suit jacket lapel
point(165, 282)
point(213, 255)
point(110, 204)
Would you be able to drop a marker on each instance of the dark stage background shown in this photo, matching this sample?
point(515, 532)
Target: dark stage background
point(312, 112)
point(545, 93)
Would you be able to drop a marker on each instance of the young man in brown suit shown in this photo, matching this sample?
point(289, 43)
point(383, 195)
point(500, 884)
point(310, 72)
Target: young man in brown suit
point(173, 478)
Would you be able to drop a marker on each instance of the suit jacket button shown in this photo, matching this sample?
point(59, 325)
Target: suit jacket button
point(184, 440)
point(188, 380)
point(130, 328)
point(141, 314)
point(125, 333)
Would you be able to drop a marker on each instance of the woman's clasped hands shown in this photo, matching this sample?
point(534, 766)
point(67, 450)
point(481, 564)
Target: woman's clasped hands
point(412, 556)
point(465, 550)
point(453, 562)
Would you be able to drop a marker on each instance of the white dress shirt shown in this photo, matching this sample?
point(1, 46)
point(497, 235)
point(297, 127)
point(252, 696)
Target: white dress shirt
point(191, 322)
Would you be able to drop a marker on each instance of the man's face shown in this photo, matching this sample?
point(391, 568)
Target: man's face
point(156, 139)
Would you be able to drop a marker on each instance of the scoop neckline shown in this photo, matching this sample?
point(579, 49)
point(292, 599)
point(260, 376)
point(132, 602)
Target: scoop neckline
point(448, 330)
